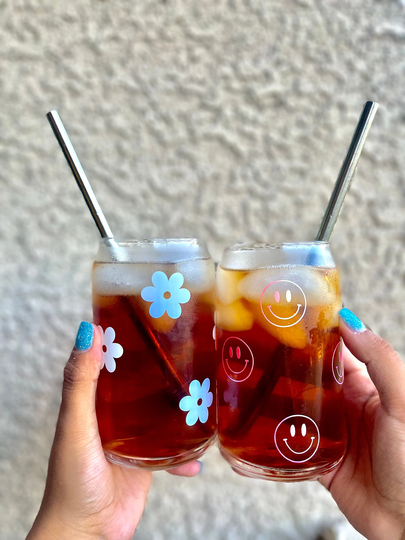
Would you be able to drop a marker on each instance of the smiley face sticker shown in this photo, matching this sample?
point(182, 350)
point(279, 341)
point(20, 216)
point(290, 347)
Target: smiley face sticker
point(283, 303)
point(297, 438)
point(337, 363)
point(237, 359)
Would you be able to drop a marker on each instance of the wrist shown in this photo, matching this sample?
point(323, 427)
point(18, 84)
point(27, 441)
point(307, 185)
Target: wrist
point(47, 527)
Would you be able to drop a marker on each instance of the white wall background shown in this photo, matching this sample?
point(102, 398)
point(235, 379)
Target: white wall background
point(227, 120)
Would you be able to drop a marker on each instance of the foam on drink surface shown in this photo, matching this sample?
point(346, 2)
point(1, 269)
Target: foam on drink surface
point(130, 278)
point(257, 256)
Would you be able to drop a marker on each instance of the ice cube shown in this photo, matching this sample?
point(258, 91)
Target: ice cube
point(163, 324)
point(234, 316)
point(323, 317)
point(227, 285)
point(122, 279)
point(296, 284)
point(199, 275)
point(105, 302)
point(293, 336)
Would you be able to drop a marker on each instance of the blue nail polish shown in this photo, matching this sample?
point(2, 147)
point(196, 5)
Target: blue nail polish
point(201, 465)
point(350, 319)
point(85, 335)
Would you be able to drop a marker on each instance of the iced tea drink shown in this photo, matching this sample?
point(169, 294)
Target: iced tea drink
point(280, 363)
point(154, 303)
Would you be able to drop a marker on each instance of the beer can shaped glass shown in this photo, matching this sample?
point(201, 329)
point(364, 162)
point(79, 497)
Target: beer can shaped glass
point(280, 361)
point(153, 301)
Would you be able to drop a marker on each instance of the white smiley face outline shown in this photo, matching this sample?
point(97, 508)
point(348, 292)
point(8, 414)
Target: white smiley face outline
point(227, 368)
point(338, 349)
point(284, 318)
point(288, 446)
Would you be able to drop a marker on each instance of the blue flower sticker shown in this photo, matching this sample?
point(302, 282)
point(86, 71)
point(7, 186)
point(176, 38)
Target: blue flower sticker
point(197, 402)
point(166, 295)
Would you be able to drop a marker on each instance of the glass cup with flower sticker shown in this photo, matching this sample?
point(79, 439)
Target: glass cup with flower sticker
point(153, 301)
point(280, 364)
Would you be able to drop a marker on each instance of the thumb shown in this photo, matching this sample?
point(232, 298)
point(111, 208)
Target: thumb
point(384, 365)
point(77, 418)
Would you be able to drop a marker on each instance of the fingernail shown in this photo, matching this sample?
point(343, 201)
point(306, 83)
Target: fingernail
point(85, 335)
point(350, 319)
point(201, 465)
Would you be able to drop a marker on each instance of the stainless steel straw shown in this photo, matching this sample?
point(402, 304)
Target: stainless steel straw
point(169, 370)
point(79, 174)
point(347, 171)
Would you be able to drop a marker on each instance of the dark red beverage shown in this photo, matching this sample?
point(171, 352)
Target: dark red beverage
point(280, 365)
point(156, 393)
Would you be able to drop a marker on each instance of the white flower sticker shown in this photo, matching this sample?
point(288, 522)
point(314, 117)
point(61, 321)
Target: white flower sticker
point(197, 402)
point(166, 295)
point(111, 350)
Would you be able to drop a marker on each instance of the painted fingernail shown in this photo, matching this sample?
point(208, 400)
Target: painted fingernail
point(350, 319)
point(201, 465)
point(85, 335)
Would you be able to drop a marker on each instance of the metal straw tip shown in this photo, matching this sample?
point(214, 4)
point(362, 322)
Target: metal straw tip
point(78, 172)
point(51, 115)
point(347, 171)
point(371, 105)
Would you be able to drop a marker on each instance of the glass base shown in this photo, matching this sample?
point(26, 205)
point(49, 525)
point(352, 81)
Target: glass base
point(245, 468)
point(158, 464)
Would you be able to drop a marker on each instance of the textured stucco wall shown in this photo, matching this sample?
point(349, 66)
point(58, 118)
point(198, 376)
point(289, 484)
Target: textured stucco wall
point(225, 120)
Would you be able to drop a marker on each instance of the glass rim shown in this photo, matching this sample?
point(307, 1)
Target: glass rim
point(151, 250)
point(249, 256)
point(258, 246)
point(129, 242)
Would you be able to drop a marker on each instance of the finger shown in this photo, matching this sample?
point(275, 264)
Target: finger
point(358, 384)
point(188, 469)
point(385, 367)
point(77, 414)
point(352, 364)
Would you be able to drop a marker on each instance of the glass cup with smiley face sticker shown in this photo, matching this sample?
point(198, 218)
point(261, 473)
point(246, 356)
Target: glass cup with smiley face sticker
point(154, 303)
point(280, 363)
